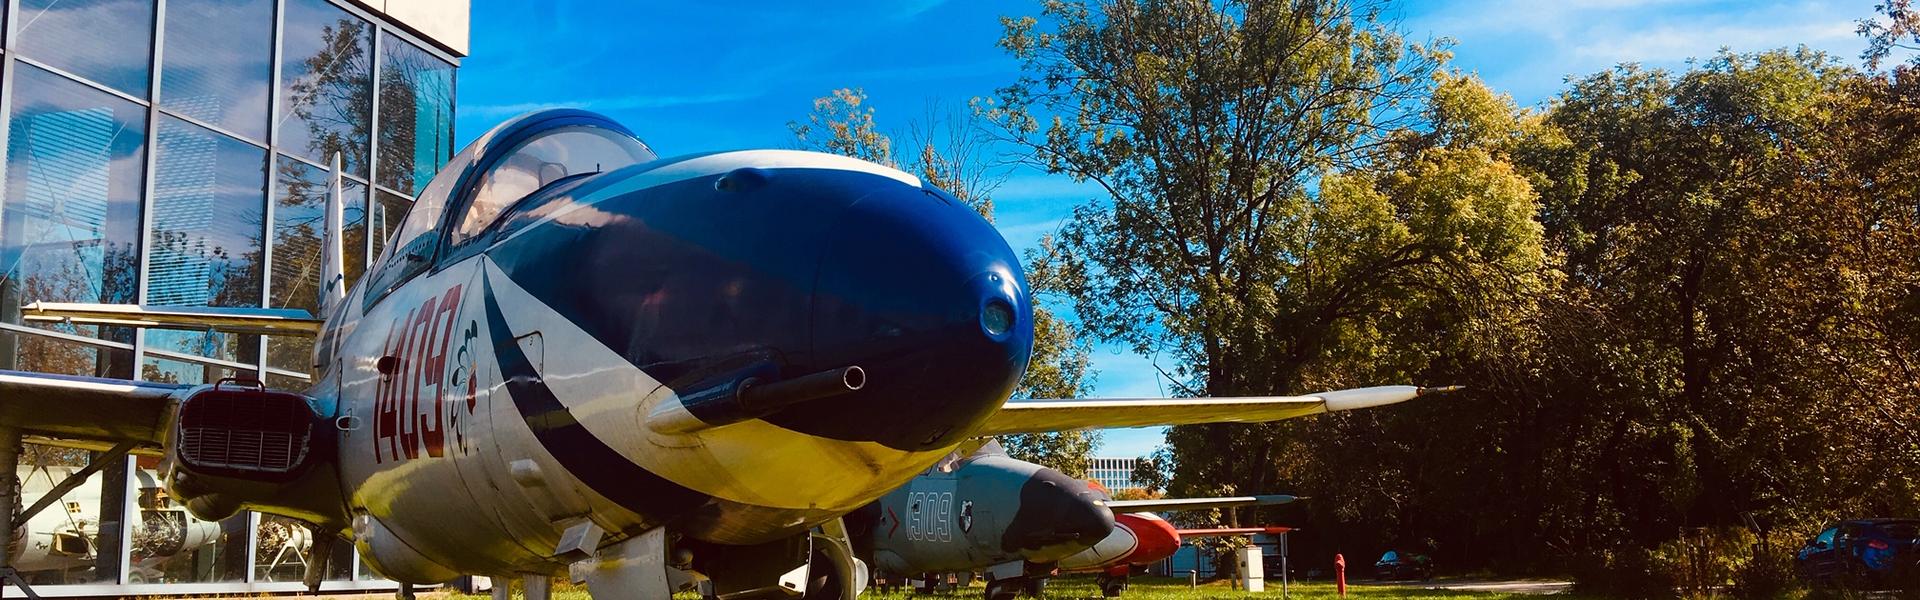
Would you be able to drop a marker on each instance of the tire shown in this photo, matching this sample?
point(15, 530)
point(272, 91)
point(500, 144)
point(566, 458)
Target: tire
point(1035, 587)
point(1004, 589)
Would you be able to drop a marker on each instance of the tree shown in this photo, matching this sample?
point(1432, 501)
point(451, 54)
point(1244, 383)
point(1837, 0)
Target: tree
point(1898, 30)
point(842, 123)
point(951, 153)
point(1255, 229)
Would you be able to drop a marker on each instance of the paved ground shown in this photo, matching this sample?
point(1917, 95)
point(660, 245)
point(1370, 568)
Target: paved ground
point(1530, 586)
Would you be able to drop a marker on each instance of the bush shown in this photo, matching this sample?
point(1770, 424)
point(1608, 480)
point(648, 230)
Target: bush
point(1703, 564)
point(1768, 574)
point(1627, 572)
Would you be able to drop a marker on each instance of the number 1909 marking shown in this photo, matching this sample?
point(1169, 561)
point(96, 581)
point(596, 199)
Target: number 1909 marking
point(930, 516)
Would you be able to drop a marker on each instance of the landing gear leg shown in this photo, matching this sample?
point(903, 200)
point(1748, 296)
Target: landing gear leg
point(10, 507)
point(538, 587)
point(406, 591)
point(1112, 585)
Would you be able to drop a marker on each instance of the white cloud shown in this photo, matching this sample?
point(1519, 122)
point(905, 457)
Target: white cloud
point(634, 102)
point(1666, 44)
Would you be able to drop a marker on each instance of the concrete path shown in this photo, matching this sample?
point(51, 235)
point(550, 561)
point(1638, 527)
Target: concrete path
point(1529, 586)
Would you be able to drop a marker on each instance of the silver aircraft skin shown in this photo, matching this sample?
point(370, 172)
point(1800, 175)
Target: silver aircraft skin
point(1012, 520)
point(577, 359)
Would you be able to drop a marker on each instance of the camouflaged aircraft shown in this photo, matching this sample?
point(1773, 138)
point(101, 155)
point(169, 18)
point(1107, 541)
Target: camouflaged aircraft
point(1014, 521)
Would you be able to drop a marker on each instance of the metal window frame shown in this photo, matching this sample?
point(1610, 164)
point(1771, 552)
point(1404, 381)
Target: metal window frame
point(359, 579)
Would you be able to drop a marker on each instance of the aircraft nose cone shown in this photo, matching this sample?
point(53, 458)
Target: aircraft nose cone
point(925, 296)
point(1058, 516)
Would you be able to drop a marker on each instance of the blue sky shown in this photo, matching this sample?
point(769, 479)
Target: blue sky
point(693, 77)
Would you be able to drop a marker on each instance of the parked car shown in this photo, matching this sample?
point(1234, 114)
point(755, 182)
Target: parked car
point(1398, 565)
point(1862, 553)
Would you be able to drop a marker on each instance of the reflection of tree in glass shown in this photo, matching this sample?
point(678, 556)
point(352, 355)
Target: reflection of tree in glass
point(54, 280)
point(416, 125)
point(334, 98)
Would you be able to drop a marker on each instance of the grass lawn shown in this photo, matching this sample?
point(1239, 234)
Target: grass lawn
point(1155, 588)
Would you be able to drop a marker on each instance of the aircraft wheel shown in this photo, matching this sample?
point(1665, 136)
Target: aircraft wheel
point(1004, 589)
point(963, 580)
point(1034, 587)
point(1111, 587)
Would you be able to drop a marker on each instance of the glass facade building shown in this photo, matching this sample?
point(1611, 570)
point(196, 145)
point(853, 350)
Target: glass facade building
point(177, 153)
point(1115, 474)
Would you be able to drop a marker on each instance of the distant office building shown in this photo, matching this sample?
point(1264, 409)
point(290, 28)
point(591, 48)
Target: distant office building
point(175, 152)
point(1113, 473)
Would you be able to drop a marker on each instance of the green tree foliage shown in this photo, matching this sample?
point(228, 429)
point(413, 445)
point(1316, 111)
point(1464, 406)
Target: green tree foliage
point(952, 153)
point(1247, 232)
point(1683, 301)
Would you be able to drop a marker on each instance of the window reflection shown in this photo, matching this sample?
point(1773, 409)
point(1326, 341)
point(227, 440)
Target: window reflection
point(174, 371)
point(218, 58)
point(299, 228)
point(106, 41)
point(416, 114)
point(70, 219)
point(388, 211)
point(75, 539)
point(286, 546)
point(326, 86)
point(169, 545)
point(209, 211)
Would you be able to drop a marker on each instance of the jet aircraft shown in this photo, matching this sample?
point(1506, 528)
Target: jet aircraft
point(574, 358)
point(1014, 520)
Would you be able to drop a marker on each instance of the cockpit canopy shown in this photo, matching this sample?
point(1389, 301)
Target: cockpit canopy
point(515, 160)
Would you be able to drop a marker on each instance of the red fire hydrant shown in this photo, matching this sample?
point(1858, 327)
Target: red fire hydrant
point(1340, 574)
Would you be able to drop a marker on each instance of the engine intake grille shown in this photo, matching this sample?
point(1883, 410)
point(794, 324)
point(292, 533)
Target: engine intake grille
point(245, 430)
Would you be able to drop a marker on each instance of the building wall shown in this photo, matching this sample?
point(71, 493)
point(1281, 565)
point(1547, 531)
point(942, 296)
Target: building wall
point(176, 152)
point(1115, 474)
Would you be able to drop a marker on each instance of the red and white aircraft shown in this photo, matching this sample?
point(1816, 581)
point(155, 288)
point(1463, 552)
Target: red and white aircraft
point(576, 358)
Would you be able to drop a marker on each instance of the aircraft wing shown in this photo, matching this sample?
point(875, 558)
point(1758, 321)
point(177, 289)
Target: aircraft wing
point(1036, 416)
point(1186, 533)
point(86, 412)
point(1179, 504)
point(271, 321)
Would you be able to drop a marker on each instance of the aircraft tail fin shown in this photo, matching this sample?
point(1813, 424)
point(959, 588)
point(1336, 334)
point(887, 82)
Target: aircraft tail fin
point(333, 267)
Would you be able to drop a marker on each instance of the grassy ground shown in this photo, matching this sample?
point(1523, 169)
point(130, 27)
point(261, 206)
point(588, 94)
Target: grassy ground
point(1155, 588)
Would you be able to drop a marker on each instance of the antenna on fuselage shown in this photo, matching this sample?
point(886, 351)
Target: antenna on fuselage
point(333, 266)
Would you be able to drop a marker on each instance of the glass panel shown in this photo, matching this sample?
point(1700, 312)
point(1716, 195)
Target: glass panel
point(541, 161)
point(209, 214)
point(299, 222)
point(70, 541)
point(107, 41)
point(326, 87)
point(286, 545)
point(175, 371)
point(170, 545)
point(70, 221)
point(217, 62)
point(416, 115)
point(388, 210)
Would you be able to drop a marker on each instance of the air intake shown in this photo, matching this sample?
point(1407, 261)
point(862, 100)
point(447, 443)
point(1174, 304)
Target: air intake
point(240, 428)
